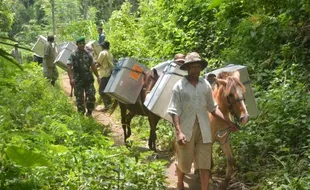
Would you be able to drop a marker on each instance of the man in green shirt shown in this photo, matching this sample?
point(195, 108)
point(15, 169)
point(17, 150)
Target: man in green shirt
point(81, 78)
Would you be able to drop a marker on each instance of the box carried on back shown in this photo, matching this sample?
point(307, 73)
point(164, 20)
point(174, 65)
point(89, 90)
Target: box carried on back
point(126, 80)
point(61, 46)
point(244, 78)
point(64, 54)
point(161, 67)
point(96, 48)
point(158, 99)
point(38, 47)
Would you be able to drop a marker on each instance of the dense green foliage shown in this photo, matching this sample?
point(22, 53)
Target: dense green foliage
point(271, 38)
point(46, 144)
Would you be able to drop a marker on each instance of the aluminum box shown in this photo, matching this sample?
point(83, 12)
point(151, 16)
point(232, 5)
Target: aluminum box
point(64, 54)
point(38, 47)
point(95, 47)
point(61, 46)
point(126, 80)
point(245, 79)
point(158, 99)
point(161, 67)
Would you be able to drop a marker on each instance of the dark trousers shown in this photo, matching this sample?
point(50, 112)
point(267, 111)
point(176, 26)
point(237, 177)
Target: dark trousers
point(106, 98)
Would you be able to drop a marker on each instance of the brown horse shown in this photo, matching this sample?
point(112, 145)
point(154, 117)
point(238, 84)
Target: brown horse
point(128, 111)
point(229, 94)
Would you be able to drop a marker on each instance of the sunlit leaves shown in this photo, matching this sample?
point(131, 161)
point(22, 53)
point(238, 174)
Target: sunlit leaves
point(26, 158)
point(214, 4)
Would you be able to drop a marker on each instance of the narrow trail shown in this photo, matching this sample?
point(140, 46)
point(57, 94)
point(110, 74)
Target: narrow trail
point(190, 181)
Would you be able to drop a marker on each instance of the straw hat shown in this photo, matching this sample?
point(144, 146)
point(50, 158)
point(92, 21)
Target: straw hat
point(179, 58)
point(191, 58)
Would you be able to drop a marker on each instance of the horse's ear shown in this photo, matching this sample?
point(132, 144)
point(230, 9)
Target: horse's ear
point(154, 73)
point(236, 74)
point(221, 82)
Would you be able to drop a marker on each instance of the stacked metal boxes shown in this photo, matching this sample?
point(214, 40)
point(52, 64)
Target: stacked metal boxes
point(64, 54)
point(161, 67)
point(96, 48)
point(158, 99)
point(126, 80)
point(244, 78)
point(38, 47)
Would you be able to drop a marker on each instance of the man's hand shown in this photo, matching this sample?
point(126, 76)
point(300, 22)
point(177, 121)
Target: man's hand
point(181, 139)
point(233, 127)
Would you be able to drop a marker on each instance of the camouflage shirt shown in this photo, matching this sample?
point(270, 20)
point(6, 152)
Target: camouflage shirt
point(81, 62)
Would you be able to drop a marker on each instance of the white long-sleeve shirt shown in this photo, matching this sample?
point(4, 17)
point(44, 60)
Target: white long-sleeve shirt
point(189, 102)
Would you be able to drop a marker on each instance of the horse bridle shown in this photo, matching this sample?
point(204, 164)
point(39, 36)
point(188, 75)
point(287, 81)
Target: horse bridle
point(231, 110)
point(235, 121)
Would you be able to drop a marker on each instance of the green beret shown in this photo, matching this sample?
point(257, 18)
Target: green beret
point(80, 39)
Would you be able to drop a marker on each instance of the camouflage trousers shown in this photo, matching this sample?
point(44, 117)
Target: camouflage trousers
point(85, 95)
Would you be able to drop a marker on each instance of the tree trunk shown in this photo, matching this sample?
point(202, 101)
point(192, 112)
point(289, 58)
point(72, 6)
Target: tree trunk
point(85, 8)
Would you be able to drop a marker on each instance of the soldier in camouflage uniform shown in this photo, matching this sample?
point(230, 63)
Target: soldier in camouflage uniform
point(81, 78)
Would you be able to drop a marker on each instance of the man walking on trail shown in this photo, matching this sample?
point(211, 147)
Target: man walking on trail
point(81, 78)
point(49, 68)
point(101, 36)
point(17, 54)
point(105, 64)
point(189, 106)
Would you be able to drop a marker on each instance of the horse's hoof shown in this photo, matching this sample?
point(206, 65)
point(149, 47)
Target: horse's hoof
point(128, 144)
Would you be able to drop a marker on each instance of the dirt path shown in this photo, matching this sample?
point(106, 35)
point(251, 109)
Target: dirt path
point(190, 181)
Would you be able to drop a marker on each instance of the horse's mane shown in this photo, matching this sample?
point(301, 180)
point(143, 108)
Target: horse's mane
point(233, 83)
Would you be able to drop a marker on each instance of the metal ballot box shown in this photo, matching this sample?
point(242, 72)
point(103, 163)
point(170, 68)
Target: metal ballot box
point(161, 67)
point(158, 99)
point(126, 80)
point(96, 48)
point(244, 78)
point(38, 47)
point(64, 54)
point(61, 46)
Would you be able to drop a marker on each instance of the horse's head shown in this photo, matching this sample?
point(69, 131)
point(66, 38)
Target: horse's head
point(149, 81)
point(230, 95)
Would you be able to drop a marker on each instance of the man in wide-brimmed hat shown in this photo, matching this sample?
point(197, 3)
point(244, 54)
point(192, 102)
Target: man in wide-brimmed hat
point(179, 58)
point(189, 106)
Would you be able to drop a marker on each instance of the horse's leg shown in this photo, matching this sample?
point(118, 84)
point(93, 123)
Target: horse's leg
point(153, 120)
point(124, 120)
point(229, 162)
point(128, 121)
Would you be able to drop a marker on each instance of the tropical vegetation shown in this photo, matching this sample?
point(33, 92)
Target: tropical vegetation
point(47, 145)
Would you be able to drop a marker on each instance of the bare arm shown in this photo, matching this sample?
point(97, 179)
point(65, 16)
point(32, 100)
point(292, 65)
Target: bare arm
point(94, 69)
point(70, 74)
point(180, 136)
point(218, 114)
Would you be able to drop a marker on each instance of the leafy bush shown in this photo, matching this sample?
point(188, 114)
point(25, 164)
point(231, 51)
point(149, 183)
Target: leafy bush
point(46, 144)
